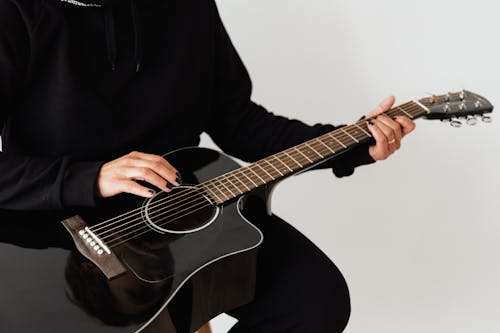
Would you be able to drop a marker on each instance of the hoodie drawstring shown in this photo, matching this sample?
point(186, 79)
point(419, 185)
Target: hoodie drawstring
point(109, 23)
point(111, 44)
point(137, 37)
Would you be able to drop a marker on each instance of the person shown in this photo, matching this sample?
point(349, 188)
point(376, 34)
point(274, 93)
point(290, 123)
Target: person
point(93, 92)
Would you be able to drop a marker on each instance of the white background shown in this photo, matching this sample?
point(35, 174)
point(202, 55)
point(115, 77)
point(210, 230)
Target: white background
point(417, 236)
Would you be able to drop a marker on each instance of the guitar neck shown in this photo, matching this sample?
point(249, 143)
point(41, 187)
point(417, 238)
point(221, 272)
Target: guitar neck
point(299, 158)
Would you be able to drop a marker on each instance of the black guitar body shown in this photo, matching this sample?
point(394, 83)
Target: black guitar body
point(169, 282)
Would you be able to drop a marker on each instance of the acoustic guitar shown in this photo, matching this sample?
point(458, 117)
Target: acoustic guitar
point(172, 262)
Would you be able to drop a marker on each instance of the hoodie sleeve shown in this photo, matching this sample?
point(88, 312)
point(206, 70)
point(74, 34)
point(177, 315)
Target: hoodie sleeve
point(247, 130)
point(33, 182)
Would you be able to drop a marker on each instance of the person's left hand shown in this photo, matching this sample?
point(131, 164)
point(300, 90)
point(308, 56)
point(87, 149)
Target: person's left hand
point(387, 132)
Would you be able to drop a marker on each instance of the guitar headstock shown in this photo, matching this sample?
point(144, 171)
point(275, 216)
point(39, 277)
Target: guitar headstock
point(454, 107)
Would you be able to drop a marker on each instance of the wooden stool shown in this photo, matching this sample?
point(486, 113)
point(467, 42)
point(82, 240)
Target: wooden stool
point(205, 329)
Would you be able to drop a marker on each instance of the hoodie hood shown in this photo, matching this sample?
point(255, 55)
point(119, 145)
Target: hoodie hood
point(110, 30)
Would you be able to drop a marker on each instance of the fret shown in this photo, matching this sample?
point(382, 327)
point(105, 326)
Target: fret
point(403, 110)
point(286, 153)
point(255, 173)
point(303, 154)
point(275, 168)
point(286, 166)
point(340, 142)
point(212, 193)
point(426, 109)
point(327, 146)
point(264, 170)
point(251, 181)
point(352, 137)
point(236, 187)
point(242, 182)
point(363, 130)
point(227, 188)
point(314, 150)
point(218, 189)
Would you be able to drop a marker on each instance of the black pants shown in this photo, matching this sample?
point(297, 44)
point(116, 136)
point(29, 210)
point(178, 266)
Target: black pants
point(299, 289)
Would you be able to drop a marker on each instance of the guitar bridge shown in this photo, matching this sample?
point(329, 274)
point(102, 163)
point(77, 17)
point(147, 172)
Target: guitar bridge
point(95, 243)
point(93, 248)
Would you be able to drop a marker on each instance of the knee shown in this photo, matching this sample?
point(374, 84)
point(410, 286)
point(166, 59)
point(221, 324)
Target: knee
point(327, 307)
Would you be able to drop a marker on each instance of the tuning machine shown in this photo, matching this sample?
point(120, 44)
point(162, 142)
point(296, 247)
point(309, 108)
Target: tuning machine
point(455, 123)
point(471, 120)
point(486, 119)
point(462, 95)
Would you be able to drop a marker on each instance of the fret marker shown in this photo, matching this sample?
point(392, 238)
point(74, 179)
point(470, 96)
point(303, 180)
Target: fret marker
point(218, 189)
point(357, 141)
point(251, 181)
point(286, 166)
point(307, 158)
point(314, 150)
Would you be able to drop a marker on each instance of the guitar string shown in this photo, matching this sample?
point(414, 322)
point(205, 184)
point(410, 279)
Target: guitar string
point(199, 197)
point(167, 218)
point(322, 149)
point(215, 180)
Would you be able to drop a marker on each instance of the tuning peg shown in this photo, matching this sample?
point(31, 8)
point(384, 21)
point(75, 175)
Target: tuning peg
point(462, 95)
point(456, 123)
point(486, 119)
point(462, 106)
point(478, 104)
point(433, 99)
point(471, 121)
point(447, 97)
point(447, 108)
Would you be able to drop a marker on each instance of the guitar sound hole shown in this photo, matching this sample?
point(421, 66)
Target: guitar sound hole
point(185, 209)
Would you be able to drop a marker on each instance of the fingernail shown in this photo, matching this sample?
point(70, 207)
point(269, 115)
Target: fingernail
point(178, 180)
point(169, 186)
point(151, 192)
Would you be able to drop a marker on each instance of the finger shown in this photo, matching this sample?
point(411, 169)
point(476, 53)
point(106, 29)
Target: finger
point(129, 186)
point(380, 150)
point(383, 106)
point(406, 123)
point(158, 165)
point(389, 134)
point(396, 127)
point(147, 175)
point(156, 159)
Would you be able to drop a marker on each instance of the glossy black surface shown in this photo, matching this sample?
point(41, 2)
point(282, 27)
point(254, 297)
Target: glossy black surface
point(48, 286)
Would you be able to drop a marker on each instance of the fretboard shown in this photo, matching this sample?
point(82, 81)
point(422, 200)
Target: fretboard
point(298, 158)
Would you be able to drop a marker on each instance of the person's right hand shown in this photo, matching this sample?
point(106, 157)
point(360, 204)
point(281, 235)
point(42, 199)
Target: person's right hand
point(121, 175)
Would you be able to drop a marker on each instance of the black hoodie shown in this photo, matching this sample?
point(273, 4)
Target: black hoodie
point(85, 82)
